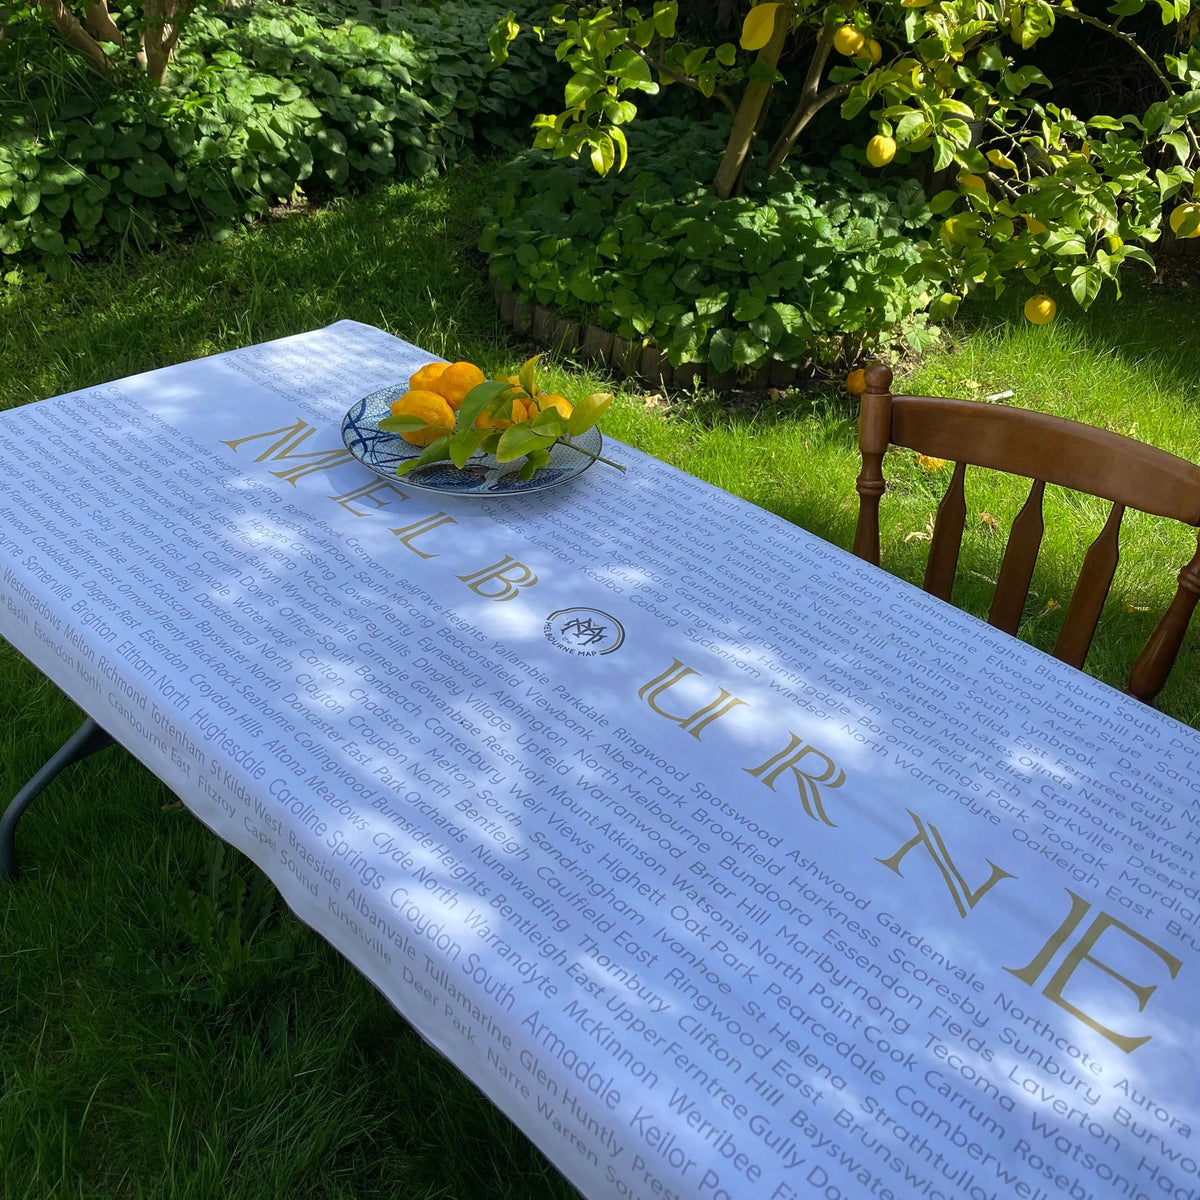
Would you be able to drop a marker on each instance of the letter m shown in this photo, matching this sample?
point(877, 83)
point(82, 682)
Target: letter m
point(284, 448)
point(929, 837)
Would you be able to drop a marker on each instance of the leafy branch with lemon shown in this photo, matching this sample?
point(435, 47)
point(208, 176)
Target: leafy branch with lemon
point(453, 412)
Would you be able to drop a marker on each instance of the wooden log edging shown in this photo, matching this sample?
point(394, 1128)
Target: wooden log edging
point(639, 359)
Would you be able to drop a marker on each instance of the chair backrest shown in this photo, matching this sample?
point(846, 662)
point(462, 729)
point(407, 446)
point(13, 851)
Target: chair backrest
point(1045, 449)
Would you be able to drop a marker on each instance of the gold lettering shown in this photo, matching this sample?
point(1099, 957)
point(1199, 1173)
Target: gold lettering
point(293, 436)
point(368, 491)
point(788, 758)
point(931, 839)
point(508, 572)
point(693, 722)
point(1080, 953)
point(408, 533)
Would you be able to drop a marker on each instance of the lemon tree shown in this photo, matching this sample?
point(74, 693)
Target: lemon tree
point(1041, 194)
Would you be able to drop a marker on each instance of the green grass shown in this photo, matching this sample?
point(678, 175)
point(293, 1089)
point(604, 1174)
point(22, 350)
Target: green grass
point(167, 1028)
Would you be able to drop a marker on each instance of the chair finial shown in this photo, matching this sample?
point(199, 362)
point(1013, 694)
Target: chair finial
point(878, 378)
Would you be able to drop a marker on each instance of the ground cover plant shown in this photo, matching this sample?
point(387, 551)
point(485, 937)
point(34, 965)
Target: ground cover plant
point(265, 104)
point(809, 264)
point(169, 1028)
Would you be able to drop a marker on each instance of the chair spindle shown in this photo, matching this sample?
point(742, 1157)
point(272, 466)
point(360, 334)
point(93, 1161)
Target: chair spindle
point(1091, 590)
point(947, 537)
point(1158, 656)
point(1024, 542)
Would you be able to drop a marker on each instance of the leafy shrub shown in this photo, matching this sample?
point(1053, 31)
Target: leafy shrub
point(804, 257)
point(324, 96)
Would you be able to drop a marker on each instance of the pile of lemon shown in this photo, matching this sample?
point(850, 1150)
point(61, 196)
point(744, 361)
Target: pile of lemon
point(452, 411)
point(436, 393)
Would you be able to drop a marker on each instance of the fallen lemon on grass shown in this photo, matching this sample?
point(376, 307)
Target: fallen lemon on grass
point(881, 149)
point(428, 407)
point(1040, 309)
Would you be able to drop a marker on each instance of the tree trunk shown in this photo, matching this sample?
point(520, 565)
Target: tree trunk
point(749, 112)
point(164, 23)
point(101, 25)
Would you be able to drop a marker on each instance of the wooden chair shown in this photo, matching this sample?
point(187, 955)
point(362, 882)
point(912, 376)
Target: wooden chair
point(1045, 449)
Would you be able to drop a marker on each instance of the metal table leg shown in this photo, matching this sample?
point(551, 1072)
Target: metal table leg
point(87, 739)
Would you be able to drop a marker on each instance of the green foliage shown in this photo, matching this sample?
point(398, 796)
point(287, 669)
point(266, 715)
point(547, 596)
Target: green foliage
point(264, 100)
point(806, 256)
point(944, 80)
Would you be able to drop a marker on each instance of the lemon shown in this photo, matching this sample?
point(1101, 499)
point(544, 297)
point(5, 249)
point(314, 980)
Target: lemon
point(1040, 309)
point(456, 381)
point(856, 382)
point(874, 51)
point(1187, 217)
point(422, 380)
point(848, 41)
point(552, 400)
point(430, 408)
point(881, 149)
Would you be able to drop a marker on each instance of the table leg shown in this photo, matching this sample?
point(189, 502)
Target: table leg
point(87, 739)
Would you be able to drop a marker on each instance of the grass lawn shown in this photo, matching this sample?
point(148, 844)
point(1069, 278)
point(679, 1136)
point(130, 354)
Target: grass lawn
point(167, 1028)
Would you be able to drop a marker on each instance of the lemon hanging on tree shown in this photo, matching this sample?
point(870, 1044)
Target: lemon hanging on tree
point(1185, 220)
point(848, 41)
point(881, 149)
point(1040, 309)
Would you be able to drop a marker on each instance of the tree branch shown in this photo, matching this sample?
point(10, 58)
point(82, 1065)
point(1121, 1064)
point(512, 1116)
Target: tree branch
point(661, 67)
point(1075, 15)
point(74, 33)
point(804, 112)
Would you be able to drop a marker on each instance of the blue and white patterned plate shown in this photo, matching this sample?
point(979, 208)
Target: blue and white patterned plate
point(482, 476)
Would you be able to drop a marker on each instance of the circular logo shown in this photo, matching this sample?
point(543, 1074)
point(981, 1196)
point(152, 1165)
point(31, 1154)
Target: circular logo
point(586, 632)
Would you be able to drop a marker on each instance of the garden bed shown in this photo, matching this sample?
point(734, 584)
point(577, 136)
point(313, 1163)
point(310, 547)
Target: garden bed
point(647, 271)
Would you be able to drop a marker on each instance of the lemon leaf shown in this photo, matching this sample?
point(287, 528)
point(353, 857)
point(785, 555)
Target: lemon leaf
point(534, 460)
point(463, 444)
point(525, 375)
point(518, 440)
point(587, 412)
point(551, 423)
point(402, 424)
point(478, 398)
point(758, 26)
point(436, 451)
